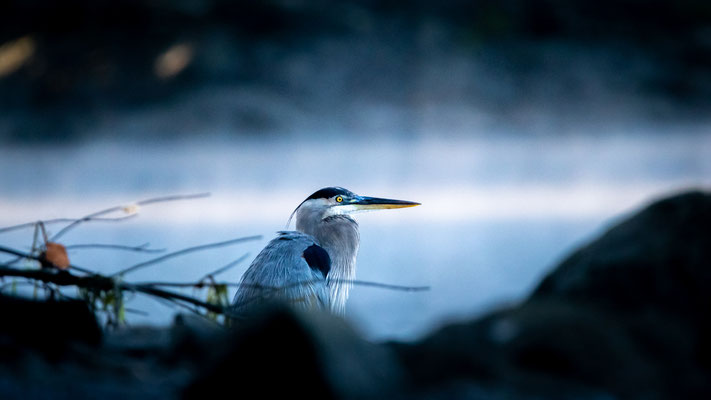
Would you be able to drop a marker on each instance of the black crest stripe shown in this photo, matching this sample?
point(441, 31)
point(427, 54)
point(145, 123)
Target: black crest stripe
point(329, 192)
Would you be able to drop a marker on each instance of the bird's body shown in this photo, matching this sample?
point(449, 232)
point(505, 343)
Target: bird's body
point(281, 271)
point(314, 266)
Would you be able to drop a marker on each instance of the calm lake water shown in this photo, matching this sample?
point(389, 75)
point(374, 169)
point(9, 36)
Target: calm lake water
point(497, 213)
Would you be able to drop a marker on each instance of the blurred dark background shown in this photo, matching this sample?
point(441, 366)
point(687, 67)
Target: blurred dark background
point(69, 68)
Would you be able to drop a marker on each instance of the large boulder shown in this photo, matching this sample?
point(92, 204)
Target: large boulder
point(655, 261)
point(653, 272)
point(624, 316)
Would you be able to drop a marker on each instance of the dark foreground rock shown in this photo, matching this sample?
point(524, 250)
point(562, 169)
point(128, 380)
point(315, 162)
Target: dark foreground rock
point(626, 317)
point(653, 273)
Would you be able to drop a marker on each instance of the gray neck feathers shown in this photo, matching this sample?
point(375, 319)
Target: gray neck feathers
point(339, 236)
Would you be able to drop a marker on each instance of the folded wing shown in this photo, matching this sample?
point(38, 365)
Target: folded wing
point(291, 268)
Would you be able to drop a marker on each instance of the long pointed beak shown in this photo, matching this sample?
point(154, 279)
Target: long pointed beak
point(376, 203)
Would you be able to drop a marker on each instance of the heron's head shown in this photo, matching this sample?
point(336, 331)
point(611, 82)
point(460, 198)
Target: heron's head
point(332, 201)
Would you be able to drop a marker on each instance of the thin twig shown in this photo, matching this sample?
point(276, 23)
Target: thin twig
point(67, 297)
point(153, 289)
point(271, 290)
point(44, 232)
point(163, 302)
point(225, 267)
point(140, 249)
point(174, 296)
point(163, 199)
point(62, 221)
point(98, 282)
point(201, 284)
point(121, 207)
point(13, 260)
point(136, 311)
point(183, 252)
point(83, 270)
point(22, 255)
point(384, 285)
point(18, 253)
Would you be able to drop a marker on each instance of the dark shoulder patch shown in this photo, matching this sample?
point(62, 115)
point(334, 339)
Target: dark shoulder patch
point(318, 259)
point(329, 192)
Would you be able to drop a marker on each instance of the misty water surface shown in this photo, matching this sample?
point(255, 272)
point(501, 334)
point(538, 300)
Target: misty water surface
point(498, 210)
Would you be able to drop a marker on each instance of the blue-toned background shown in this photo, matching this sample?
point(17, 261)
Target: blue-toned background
point(523, 131)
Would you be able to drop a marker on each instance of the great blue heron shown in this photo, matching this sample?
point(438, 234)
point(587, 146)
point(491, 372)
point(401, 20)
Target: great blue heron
point(312, 267)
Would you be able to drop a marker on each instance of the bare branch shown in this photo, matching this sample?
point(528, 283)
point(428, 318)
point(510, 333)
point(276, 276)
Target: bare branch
point(225, 268)
point(13, 261)
point(226, 243)
point(164, 199)
point(202, 284)
point(153, 289)
point(141, 248)
point(216, 308)
point(136, 311)
point(40, 225)
point(121, 207)
point(20, 255)
point(384, 285)
point(183, 252)
point(97, 282)
point(62, 221)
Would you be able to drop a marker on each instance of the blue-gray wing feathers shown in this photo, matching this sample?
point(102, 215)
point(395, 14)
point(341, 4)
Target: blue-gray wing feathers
point(291, 268)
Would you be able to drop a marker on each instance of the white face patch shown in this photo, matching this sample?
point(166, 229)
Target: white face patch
point(342, 210)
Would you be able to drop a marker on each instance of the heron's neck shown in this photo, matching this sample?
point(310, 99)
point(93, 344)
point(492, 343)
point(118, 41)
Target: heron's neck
point(339, 236)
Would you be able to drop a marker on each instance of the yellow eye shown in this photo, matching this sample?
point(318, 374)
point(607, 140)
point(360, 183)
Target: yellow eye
point(339, 199)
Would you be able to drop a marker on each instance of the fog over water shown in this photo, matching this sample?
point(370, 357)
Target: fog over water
point(498, 211)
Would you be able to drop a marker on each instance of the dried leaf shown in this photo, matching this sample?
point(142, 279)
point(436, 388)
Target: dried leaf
point(56, 255)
